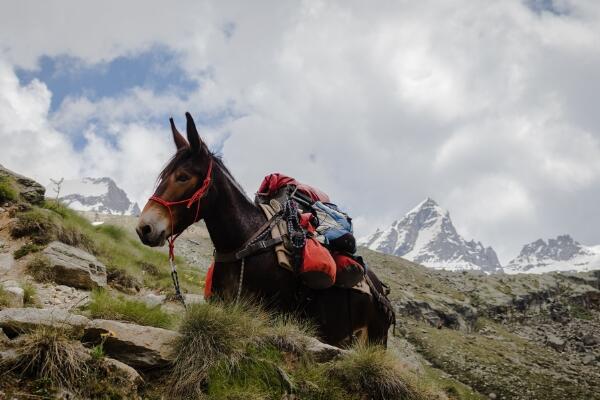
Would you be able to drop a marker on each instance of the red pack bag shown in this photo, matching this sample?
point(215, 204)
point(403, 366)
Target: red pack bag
point(348, 271)
point(318, 266)
point(208, 282)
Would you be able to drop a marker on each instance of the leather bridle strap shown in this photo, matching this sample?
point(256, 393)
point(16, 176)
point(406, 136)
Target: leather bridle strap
point(195, 198)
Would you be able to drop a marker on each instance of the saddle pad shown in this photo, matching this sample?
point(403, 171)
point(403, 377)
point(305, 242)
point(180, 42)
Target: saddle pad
point(279, 230)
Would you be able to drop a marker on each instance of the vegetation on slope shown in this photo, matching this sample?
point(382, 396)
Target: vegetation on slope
point(239, 351)
point(105, 305)
point(129, 263)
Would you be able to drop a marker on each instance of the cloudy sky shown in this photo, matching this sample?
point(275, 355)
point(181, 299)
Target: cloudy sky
point(489, 107)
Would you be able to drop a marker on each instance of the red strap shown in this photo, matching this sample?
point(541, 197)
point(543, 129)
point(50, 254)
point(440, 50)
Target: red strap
point(196, 197)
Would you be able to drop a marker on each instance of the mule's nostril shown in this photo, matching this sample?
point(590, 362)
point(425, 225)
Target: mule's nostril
point(146, 229)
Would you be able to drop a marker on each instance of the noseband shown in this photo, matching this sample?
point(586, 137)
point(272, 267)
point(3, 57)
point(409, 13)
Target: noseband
point(195, 198)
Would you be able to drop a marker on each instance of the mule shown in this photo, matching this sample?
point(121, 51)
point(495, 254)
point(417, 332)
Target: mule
point(340, 315)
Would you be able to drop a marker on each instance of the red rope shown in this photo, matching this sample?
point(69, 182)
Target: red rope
point(195, 198)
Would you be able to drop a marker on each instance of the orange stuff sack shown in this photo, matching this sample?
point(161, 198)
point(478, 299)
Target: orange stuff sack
point(318, 267)
point(208, 282)
point(348, 271)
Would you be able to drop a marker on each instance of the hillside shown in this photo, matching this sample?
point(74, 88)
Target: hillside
point(86, 311)
point(460, 335)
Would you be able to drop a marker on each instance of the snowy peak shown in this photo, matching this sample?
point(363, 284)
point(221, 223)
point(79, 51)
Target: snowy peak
point(560, 254)
point(94, 194)
point(427, 236)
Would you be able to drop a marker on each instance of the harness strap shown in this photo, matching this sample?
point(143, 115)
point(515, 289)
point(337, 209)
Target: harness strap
point(252, 246)
point(257, 247)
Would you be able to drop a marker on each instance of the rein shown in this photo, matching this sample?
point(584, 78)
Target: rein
point(195, 198)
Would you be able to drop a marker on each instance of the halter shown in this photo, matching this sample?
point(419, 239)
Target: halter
point(195, 198)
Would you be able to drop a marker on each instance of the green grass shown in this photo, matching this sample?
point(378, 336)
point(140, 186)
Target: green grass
point(130, 263)
point(7, 190)
point(29, 295)
point(238, 351)
point(40, 268)
point(26, 249)
point(107, 306)
point(4, 298)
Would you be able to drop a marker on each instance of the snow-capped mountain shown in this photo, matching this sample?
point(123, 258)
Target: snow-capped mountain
point(427, 236)
point(560, 254)
point(94, 194)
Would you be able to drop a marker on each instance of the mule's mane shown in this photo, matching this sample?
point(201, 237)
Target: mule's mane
point(185, 154)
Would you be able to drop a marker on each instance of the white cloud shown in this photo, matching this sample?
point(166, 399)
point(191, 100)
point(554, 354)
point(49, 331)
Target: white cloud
point(488, 107)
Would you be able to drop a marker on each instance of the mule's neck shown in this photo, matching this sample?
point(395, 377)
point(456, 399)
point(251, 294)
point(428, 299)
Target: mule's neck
point(232, 218)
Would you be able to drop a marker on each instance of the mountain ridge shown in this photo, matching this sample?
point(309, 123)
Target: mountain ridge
point(426, 235)
point(100, 195)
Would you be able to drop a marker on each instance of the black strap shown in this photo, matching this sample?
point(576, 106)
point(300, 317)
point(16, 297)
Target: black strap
point(249, 250)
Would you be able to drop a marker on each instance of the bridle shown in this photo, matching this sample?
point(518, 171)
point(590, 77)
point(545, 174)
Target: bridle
point(195, 198)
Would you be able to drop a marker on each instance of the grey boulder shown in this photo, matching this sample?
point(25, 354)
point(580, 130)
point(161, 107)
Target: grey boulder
point(75, 267)
point(141, 347)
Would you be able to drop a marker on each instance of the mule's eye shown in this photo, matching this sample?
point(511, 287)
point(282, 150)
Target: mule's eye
point(182, 178)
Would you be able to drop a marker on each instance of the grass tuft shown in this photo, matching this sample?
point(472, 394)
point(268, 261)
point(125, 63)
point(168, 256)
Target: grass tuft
point(48, 353)
point(4, 298)
point(105, 305)
point(29, 295)
point(7, 190)
point(372, 371)
point(44, 226)
point(27, 248)
point(40, 268)
point(213, 335)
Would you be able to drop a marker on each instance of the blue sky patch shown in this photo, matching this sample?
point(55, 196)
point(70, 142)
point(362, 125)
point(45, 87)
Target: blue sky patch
point(156, 69)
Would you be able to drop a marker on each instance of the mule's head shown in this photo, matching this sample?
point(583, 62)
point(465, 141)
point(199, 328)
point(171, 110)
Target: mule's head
point(181, 179)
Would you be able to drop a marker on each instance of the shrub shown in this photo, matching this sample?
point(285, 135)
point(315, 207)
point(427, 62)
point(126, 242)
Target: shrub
point(107, 306)
point(40, 268)
point(26, 249)
point(7, 190)
point(374, 372)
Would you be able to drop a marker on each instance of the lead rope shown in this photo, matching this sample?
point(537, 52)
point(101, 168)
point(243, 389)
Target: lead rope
point(174, 275)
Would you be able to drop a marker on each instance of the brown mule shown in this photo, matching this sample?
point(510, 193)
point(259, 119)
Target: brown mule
point(341, 315)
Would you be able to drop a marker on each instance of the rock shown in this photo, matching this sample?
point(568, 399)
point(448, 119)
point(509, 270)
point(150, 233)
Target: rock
point(3, 338)
point(75, 267)
point(29, 190)
point(17, 320)
point(153, 300)
point(492, 396)
point(588, 359)
point(142, 347)
point(7, 262)
point(555, 342)
point(124, 370)
point(322, 352)
point(8, 356)
point(590, 340)
point(14, 293)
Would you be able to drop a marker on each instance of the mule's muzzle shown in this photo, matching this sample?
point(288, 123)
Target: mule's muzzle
point(150, 236)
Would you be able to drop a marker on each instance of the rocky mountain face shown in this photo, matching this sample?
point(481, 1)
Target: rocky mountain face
point(427, 236)
point(560, 254)
point(101, 195)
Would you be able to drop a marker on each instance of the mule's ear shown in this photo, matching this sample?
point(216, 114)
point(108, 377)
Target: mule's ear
point(177, 137)
point(192, 133)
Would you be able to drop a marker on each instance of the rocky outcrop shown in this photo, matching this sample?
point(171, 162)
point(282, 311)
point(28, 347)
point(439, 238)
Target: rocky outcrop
point(74, 267)
point(14, 321)
point(29, 190)
point(142, 347)
point(14, 292)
